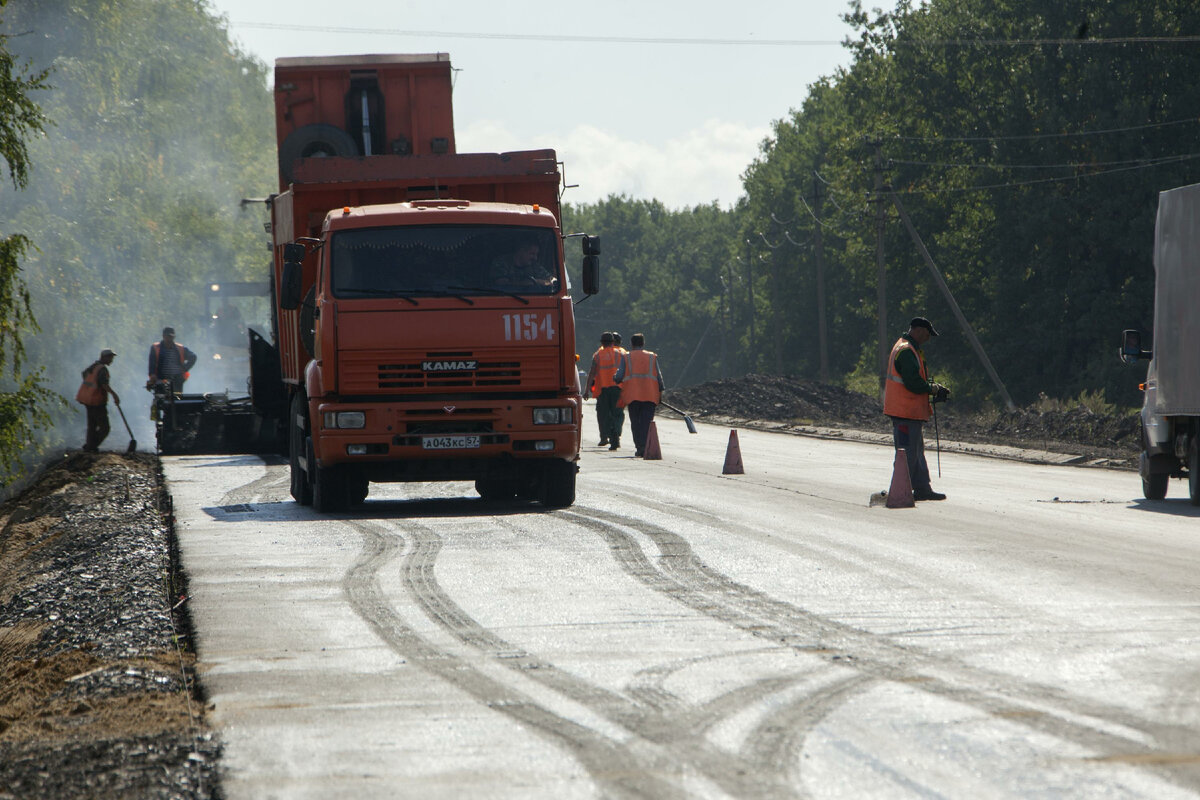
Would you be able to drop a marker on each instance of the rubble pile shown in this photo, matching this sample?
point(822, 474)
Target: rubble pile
point(1112, 437)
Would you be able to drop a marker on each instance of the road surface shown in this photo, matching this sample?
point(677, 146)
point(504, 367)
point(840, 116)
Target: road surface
point(681, 633)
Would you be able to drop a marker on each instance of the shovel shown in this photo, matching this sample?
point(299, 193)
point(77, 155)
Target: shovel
point(691, 426)
point(132, 441)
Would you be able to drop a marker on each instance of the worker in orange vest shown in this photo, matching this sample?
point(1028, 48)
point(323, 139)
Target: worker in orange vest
point(169, 361)
point(601, 384)
point(642, 385)
point(93, 394)
point(906, 399)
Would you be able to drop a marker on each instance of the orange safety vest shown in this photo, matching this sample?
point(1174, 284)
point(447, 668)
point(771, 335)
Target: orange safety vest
point(641, 378)
point(606, 359)
point(91, 393)
point(898, 401)
point(157, 348)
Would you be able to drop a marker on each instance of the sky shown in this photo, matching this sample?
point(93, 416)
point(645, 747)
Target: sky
point(659, 99)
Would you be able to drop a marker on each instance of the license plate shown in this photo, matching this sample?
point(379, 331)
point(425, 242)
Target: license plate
point(449, 442)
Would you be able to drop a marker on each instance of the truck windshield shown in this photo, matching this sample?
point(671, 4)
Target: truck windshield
point(445, 259)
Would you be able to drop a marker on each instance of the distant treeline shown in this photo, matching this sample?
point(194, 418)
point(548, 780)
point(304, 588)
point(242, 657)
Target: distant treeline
point(1027, 141)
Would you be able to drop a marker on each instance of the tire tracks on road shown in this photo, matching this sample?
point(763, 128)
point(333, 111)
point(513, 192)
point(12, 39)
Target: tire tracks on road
point(678, 573)
point(676, 736)
point(615, 768)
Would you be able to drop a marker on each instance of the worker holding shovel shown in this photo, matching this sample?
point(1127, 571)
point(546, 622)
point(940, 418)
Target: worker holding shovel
point(93, 394)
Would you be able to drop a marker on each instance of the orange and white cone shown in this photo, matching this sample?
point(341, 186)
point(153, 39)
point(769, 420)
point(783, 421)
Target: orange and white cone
point(652, 451)
point(733, 457)
point(900, 494)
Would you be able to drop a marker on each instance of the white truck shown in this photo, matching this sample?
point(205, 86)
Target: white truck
point(1171, 393)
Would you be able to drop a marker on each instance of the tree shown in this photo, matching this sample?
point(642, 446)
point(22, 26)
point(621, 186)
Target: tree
point(24, 401)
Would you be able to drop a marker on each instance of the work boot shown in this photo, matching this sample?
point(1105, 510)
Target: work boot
point(603, 442)
point(927, 494)
point(615, 444)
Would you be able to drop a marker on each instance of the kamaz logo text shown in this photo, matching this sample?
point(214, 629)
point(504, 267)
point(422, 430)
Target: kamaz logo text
point(448, 366)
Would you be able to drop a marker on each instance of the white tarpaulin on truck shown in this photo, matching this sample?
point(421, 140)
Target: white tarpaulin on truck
point(1176, 363)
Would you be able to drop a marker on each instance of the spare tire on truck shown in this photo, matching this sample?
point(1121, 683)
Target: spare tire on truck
point(314, 141)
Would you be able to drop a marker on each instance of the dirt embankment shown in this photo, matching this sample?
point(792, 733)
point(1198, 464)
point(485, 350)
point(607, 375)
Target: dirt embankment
point(1108, 438)
point(97, 697)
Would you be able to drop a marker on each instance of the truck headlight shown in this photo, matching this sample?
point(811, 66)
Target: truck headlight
point(552, 416)
point(345, 419)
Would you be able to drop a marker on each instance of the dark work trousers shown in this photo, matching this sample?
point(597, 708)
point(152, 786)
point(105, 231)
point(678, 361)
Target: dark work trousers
point(97, 427)
point(907, 434)
point(641, 414)
point(612, 418)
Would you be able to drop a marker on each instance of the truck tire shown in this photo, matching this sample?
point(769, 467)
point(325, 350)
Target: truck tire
point(495, 488)
point(558, 484)
point(301, 488)
point(1154, 486)
point(314, 141)
point(1194, 469)
point(331, 490)
point(357, 490)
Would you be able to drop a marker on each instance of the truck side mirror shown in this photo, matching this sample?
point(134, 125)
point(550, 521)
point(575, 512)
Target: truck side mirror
point(591, 245)
point(294, 251)
point(289, 284)
point(1131, 347)
point(591, 275)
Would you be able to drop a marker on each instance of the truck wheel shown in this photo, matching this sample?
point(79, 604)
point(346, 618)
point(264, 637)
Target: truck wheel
point(495, 488)
point(314, 141)
point(331, 491)
point(1154, 487)
point(357, 489)
point(1194, 470)
point(301, 489)
point(558, 484)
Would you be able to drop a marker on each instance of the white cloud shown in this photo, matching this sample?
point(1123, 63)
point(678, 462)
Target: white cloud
point(702, 165)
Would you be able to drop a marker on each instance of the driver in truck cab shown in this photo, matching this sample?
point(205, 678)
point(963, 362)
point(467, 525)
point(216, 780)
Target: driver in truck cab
point(521, 267)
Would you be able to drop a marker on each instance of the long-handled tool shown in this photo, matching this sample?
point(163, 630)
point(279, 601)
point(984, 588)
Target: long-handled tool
point(691, 426)
point(132, 441)
point(938, 437)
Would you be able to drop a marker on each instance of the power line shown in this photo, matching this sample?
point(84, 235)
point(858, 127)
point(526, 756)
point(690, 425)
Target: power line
point(1076, 165)
point(1014, 184)
point(669, 40)
point(1034, 136)
point(536, 37)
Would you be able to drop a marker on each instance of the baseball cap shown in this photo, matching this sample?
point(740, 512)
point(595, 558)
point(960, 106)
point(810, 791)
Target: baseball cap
point(106, 352)
point(168, 331)
point(921, 322)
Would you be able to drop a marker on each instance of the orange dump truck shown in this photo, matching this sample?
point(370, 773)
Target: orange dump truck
point(423, 313)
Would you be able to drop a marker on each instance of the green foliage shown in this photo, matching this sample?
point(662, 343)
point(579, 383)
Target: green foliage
point(658, 272)
point(159, 128)
point(1029, 160)
point(24, 402)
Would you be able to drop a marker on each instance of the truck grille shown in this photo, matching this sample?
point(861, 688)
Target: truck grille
point(411, 376)
point(367, 373)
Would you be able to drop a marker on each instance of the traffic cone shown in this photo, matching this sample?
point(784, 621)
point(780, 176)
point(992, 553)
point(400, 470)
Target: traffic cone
point(900, 493)
point(733, 457)
point(652, 452)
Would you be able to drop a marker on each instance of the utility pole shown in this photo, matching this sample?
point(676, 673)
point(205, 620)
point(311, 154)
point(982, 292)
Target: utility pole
point(750, 297)
point(822, 339)
point(880, 271)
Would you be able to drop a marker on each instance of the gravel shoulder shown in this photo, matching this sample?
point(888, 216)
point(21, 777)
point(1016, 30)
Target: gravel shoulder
point(98, 696)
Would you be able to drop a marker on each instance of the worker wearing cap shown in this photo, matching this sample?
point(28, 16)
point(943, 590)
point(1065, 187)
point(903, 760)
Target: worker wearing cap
point(641, 385)
point(169, 361)
point(93, 394)
point(603, 386)
point(906, 396)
